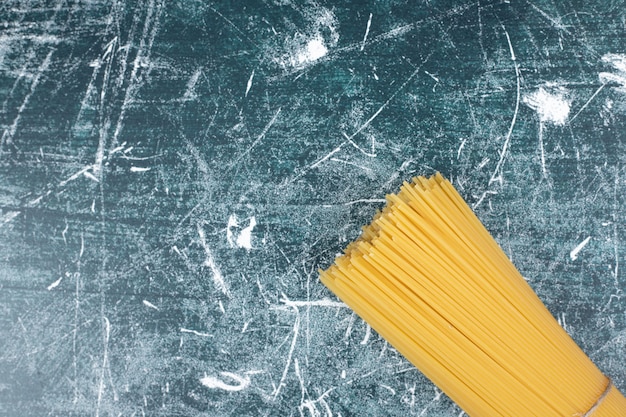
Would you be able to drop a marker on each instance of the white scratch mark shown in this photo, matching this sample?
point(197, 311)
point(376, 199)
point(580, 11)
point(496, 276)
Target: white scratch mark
point(105, 360)
point(497, 174)
point(7, 135)
point(331, 153)
point(557, 24)
point(349, 139)
point(55, 284)
point(461, 146)
point(574, 253)
point(240, 383)
point(341, 161)
point(249, 85)
point(230, 237)
point(197, 333)
point(385, 104)
point(296, 330)
point(258, 139)
point(434, 79)
point(387, 387)
point(584, 106)
point(150, 305)
point(482, 197)
point(551, 107)
point(139, 169)
point(190, 92)
point(365, 200)
point(75, 175)
point(436, 398)
point(150, 29)
point(544, 170)
point(562, 322)
point(366, 338)
point(367, 31)
point(218, 279)
point(90, 176)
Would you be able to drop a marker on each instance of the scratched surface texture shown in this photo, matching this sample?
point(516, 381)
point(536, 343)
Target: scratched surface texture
point(173, 174)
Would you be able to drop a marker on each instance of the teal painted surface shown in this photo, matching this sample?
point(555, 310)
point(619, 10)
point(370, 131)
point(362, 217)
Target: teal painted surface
point(172, 175)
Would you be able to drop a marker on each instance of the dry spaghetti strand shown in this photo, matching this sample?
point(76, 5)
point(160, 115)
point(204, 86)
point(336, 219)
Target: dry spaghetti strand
point(429, 278)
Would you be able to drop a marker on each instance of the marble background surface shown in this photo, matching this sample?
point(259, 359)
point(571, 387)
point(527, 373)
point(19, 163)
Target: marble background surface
point(173, 174)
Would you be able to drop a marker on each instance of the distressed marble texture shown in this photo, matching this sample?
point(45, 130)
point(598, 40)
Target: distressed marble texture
point(173, 174)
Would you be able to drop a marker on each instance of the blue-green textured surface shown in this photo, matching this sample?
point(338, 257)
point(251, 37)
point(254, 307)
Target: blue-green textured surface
point(173, 174)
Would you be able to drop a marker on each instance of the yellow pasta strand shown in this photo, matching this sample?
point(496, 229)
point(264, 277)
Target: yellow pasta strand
point(428, 277)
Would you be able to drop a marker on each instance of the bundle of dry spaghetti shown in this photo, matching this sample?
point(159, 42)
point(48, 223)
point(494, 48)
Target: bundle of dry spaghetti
point(430, 279)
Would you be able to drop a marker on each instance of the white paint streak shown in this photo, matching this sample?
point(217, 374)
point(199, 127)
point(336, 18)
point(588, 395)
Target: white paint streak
point(240, 383)
point(574, 253)
point(618, 62)
point(197, 333)
point(10, 216)
point(150, 305)
point(139, 169)
point(249, 85)
point(365, 200)
point(91, 176)
point(55, 284)
point(367, 31)
point(551, 107)
point(324, 302)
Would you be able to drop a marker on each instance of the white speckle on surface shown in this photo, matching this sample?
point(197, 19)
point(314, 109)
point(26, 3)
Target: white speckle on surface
point(574, 253)
point(314, 50)
point(150, 305)
point(551, 107)
point(618, 62)
point(240, 383)
point(309, 43)
point(244, 238)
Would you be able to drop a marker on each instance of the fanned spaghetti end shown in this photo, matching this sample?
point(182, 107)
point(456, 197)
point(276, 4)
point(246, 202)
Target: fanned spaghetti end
point(431, 280)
